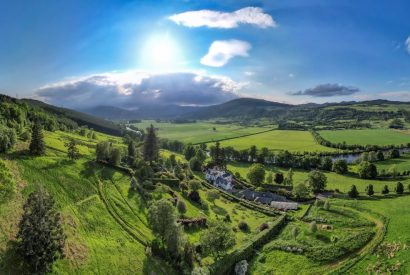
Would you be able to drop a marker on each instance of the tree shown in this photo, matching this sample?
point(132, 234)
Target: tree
point(150, 149)
point(189, 152)
point(394, 154)
point(313, 227)
point(115, 156)
point(256, 174)
point(367, 170)
point(194, 185)
point(380, 155)
point(195, 164)
point(340, 166)
point(8, 138)
point(212, 195)
point(369, 190)
point(327, 163)
point(132, 150)
point(301, 191)
point(317, 181)
point(353, 193)
point(181, 207)
point(385, 190)
point(161, 218)
point(241, 267)
point(37, 145)
point(289, 178)
point(278, 178)
point(399, 188)
point(102, 151)
point(200, 155)
point(41, 236)
point(72, 151)
point(393, 171)
point(217, 239)
point(269, 178)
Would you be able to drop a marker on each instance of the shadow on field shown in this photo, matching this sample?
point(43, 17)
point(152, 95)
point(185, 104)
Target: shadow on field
point(10, 260)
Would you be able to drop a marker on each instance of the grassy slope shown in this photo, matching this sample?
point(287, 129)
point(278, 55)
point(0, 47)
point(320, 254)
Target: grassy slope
point(397, 210)
point(366, 136)
point(200, 131)
point(96, 242)
point(341, 182)
point(299, 141)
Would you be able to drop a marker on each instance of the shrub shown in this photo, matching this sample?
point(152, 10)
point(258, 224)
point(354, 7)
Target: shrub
point(399, 188)
point(227, 218)
point(369, 190)
point(194, 196)
point(181, 207)
point(385, 190)
point(313, 227)
point(367, 170)
point(243, 226)
point(7, 184)
point(340, 166)
point(263, 226)
point(279, 178)
point(353, 193)
point(147, 184)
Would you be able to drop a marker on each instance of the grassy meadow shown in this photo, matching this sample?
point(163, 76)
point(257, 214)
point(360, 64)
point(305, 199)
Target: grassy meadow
point(291, 140)
point(366, 136)
point(199, 132)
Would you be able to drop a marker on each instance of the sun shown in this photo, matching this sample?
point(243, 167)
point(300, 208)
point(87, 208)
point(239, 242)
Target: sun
point(161, 52)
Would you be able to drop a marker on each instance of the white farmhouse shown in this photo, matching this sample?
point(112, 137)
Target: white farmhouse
point(219, 178)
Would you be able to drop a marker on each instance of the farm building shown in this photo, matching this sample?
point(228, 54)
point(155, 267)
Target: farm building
point(219, 178)
point(273, 200)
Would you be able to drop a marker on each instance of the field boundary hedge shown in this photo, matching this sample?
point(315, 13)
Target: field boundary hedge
point(245, 252)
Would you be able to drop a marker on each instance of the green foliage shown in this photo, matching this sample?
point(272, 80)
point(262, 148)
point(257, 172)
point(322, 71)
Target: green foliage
point(367, 170)
point(8, 138)
point(195, 164)
point(340, 166)
point(369, 190)
point(212, 195)
point(150, 149)
point(72, 151)
point(256, 174)
point(313, 227)
point(181, 206)
point(217, 239)
point(399, 188)
point(243, 226)
point(385, 190)
point(327, 163)
point(37, 145)
point(194, 185)
point(41, 236)
point(7, 183)
point(279, 178)
point(189, 152)
point(161, 218)
point(269, 178)
point(301, 191)
point(317, 181)
point(353, 193)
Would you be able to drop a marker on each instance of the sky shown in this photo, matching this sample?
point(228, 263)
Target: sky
point(80, 54)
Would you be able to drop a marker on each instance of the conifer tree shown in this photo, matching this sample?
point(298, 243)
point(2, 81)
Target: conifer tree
point(72, 151)
point(37, 145)
point(41, 237)
point(150, 145)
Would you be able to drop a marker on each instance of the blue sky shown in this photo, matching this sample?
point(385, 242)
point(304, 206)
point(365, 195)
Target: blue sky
point(128, 53)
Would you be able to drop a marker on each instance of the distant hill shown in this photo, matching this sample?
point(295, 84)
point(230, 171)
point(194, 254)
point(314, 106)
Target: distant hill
point(82, 119)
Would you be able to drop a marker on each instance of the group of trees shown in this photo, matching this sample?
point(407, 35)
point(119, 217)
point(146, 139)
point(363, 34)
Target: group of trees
point(107, 152)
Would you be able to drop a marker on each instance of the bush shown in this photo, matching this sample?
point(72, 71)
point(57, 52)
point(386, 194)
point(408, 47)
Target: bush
point(353, 193)
point(194, 196)
point(148, 185)
point(399, 188)
point(7, 138)
point(369, 190)
point(243, 226)
point(385, 190)
point(7, 184)
point(181, 207)
point(263, 226)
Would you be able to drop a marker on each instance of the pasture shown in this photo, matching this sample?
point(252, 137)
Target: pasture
point(294, 141)
point(366, 136)
point(200, 132)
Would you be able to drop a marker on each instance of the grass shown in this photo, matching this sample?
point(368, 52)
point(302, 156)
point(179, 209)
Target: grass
point(294, 141)
point(396, 209)
point(366, 136)
point(199, 132)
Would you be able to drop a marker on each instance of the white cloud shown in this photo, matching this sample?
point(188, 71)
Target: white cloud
point(221, 51)
point(132, 89)
point(225, 20)
point(408, 44)
point(248, 73)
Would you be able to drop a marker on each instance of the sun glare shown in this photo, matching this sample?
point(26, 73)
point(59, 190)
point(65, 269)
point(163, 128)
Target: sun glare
point(161, 52)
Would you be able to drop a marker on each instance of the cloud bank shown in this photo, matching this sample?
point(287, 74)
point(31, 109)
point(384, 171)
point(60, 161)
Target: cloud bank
point(133, 89)
point(224, 20)
point(327, 90)
point(221, 51)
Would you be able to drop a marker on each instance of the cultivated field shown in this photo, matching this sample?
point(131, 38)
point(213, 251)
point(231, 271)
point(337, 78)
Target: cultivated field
point(366, 136)
point(200, 132)
point(295, 141)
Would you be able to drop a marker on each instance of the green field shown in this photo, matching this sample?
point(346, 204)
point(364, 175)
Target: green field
point(295, 141)
point(366, 136)
point(200, 131)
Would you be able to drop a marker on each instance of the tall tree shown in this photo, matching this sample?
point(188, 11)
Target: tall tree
point(150, 145)
point(161, 217)
point(370, 190)
point(37, 145)
point(353, 193)
point(317, 181)
point(41, 236)
point(72, 151)
point(132, 151)
point(189, 152)
point(256, 174)
point(217, 239)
